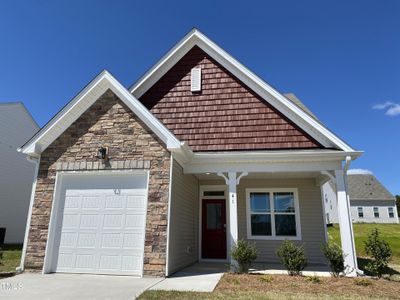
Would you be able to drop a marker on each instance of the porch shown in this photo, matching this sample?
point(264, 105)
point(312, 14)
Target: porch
point(210, 211)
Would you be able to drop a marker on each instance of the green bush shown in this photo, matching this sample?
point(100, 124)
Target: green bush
point(245, 254)
point(380, 252)
point(292, 257)
point(334, 255)
point(1, 256)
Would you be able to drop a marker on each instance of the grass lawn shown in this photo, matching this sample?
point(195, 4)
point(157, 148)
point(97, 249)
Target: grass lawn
point(286, 287)
point(11, 258)
point(389, 232)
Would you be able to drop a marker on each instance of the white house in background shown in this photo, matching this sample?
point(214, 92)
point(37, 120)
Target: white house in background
point(16, 172)
point(370, 201)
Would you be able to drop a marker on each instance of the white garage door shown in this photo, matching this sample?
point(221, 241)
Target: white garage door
point(101, 224)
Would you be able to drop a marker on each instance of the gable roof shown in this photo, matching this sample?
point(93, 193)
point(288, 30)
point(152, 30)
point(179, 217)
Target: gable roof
point(78, 105)
point(367, 187)
point(225, 116)
point(287, 107)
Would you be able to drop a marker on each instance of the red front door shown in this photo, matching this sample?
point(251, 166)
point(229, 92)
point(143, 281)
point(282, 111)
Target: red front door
point(213, 239)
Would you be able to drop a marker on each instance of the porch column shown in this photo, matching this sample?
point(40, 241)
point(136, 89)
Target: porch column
point(345, 224)
point(233, 222)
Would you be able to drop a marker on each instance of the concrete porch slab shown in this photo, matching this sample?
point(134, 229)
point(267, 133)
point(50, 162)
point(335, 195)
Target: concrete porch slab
point(200, 277)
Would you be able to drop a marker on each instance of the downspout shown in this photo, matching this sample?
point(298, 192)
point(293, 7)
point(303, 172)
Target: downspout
point(35, 161)
point(345, 169)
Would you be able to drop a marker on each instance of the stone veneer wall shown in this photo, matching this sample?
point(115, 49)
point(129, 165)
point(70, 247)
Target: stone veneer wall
point(108, 122)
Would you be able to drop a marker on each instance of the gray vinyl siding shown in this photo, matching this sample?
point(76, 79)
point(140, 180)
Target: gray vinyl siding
point(184, 220)
point(311, 216)
point(368, 209)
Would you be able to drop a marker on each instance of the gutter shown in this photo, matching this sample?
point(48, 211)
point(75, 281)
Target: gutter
point(345, 169)
point(35, 161)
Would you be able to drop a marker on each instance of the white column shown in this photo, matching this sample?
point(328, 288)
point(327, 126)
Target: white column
point(233, 222)
point(345, 224)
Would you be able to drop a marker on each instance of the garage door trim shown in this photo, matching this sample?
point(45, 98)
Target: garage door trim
point(56, 210)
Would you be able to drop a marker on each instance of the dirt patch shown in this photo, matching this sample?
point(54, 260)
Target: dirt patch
point(335, 287)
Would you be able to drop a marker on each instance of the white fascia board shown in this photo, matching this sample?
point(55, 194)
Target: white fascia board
point(289, 109)
point(163, 65)
point(278, 161)
point(289, 156)
point(84, 100)
point(266, 167)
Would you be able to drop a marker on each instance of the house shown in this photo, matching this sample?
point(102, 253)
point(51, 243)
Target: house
point(16, 173)
point(370, 201)
point(198, 153)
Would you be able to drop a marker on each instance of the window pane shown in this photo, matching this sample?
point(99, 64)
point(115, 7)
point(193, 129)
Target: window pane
point(391, 212)
point(260, 224)
point(285, 225)
point(213, 193)
point(376, 212)
point(214, 216)
point(360, 212)
point(284, 202)
point(259, 202)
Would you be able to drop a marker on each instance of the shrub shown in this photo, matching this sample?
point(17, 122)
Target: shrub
point(266, 278)
point(1, 256)
point(313, 279)
point(334, 255)
point(362, 281)
point(380, 252)
point(292, 257)
point(245, 254)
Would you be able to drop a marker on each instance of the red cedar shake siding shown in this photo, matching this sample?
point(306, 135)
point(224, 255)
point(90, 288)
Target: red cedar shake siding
point(225, 115)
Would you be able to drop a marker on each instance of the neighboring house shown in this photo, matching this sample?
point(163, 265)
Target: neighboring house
point(16, 173)
point(197, 153)
point(370, 201)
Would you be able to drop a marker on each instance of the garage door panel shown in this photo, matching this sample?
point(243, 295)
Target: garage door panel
point(89, 221)
point(102, 230)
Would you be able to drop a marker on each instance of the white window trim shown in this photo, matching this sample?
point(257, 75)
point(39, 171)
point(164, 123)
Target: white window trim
point(273, 236)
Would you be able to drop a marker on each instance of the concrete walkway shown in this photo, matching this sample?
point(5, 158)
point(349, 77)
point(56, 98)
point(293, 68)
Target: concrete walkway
point(200, 277)
point(73, 286)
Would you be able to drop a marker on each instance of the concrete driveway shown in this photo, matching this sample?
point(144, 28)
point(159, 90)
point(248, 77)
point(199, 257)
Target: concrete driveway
point(73, 286)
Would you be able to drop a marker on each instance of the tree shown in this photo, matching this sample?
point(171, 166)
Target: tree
point(398, 204)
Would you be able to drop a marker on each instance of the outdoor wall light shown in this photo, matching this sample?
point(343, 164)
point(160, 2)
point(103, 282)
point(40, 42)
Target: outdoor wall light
point(102, 153)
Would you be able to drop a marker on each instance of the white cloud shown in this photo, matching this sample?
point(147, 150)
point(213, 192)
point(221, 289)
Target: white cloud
point(392, 109)
point(359, 171)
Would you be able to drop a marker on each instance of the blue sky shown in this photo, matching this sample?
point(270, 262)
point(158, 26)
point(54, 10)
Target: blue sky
point(339, 57)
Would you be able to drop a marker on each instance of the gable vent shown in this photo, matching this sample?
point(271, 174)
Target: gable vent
point(195, 80)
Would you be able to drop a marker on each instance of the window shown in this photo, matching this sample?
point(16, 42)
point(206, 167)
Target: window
point(360, 212)
point(376, 212)
point(214, 193)
point(391, 212)
point(272, 214)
